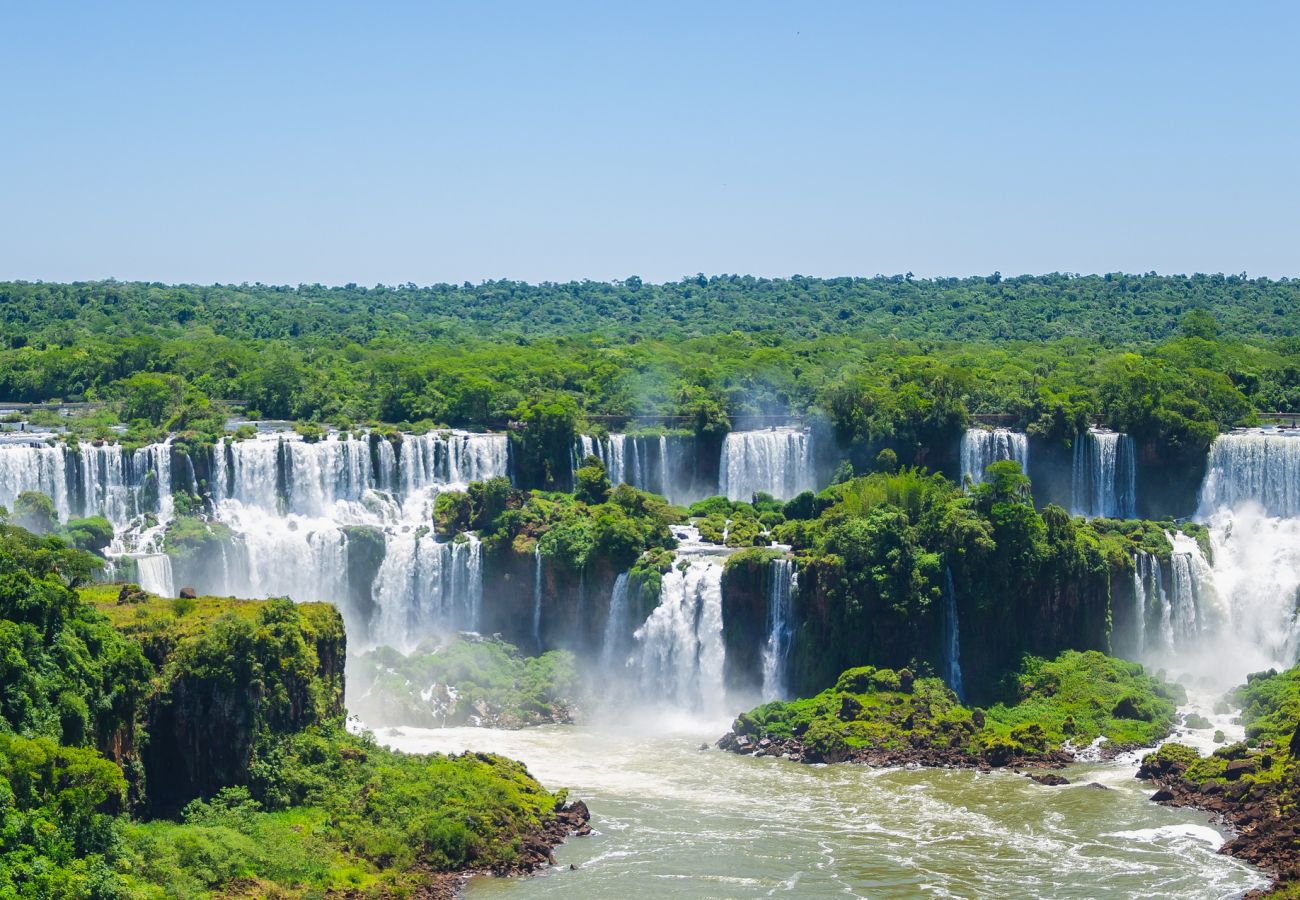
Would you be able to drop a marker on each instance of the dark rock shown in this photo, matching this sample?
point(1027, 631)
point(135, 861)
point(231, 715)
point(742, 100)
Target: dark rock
point(1237, 768)
point(1050, 779)
point(1095, 786)
point(188, 593)
point(977, 717)
point(1295, 741)
point(850, 708)
point(1162, 796)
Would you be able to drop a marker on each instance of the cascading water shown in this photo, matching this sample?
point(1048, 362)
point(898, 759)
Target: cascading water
point(1237, 613)
point(537, 597)
point(680, 652)
point(783, 588)
point(1104, 475)
point(1261, 468)
point(1192, 602)
point(658, 463)
point(613, 649)
point(1148, 587)
point(951, 637)
point(981, 447)
point(778, 461)
point(425, 587)
point(155, 574)
point(288, 513)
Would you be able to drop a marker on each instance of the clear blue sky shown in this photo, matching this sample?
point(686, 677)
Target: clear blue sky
point(394, 142)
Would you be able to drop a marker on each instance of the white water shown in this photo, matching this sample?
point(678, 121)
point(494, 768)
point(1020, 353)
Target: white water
point(679, 652)
point(658, 463)
point(427, 587)
point(1148, 585)
point(537, 597)
point(613, 648)
point(289, 505)
point(1260, 468)
point(951, 636)
point(1104, 475)
point(783, 589)
point(672, 821)
point(981, 447)
point(778, 461)
point(1223, 619)
point(155, 573)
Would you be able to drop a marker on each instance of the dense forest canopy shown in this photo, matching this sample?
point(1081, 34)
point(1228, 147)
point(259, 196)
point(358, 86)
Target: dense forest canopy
point(889, 360)
point(1108, 309)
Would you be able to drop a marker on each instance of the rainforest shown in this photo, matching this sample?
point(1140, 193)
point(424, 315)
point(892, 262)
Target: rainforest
point(719, 587)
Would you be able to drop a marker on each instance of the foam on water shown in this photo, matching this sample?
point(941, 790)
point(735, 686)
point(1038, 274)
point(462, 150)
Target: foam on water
point(672, 820)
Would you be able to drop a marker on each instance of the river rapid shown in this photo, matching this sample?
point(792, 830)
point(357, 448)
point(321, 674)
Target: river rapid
point(672, 820)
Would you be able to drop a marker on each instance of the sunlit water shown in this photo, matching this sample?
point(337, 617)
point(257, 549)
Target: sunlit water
point(671, 820)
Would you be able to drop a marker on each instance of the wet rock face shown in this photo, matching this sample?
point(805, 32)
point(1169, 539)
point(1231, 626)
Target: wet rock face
point(1050, 779)
point(537, 848)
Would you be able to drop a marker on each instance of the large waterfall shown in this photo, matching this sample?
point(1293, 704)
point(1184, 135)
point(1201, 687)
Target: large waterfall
point(1236, 612)
point(297, 509)
point(782, 589)
point(981, 447)
point(1104, 475)
point(778, 461)
point(343, 519)
point(680, 652)
point(90, 479)
point(1259, 467)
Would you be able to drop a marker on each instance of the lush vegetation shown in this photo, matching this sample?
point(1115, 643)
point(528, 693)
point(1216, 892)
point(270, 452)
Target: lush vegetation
point(1254, 784)
point(482, 681)
point(878, 553)
point(883, 715)
point(1270, 755)
point(890, 363)
point(180, 748)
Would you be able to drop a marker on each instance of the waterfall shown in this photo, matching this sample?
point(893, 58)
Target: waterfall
point(425, 586)
point(1256, 467)
point(613, 655)
point(655, 463)
point(292, 508)
point(1148, 584)
point(1245, 613)
point(40, 468)
point(777, 462)
point(951, 636)
point(537, 597)
point(680, 652)
point(1103, 478)
point(91, 480)
point(981, 447)
point(781, 593)
point(155, 574)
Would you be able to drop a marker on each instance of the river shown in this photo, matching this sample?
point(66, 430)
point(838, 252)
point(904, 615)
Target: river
point(672, 820)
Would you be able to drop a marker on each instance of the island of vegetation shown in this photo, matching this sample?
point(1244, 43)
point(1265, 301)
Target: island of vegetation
point(1051, 710)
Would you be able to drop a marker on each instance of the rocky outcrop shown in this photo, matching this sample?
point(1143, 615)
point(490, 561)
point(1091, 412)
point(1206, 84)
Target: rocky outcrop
point(238, 673)
point(1266, 834)
point(955, 757)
